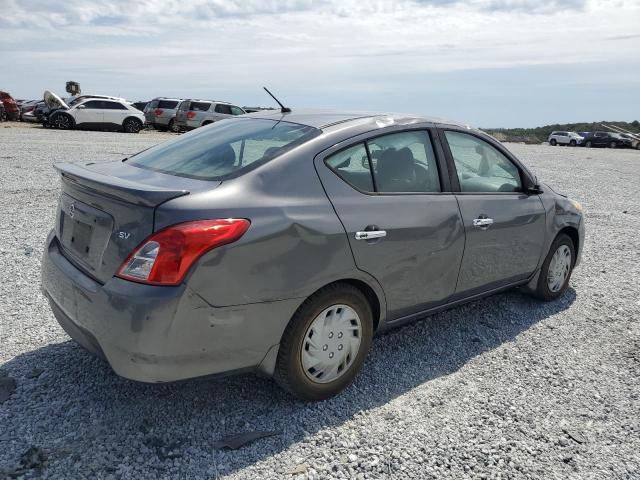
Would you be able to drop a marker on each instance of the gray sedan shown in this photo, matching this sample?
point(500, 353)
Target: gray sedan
point(281, 242)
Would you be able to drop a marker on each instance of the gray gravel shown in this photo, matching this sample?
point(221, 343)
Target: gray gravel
point(502, 388)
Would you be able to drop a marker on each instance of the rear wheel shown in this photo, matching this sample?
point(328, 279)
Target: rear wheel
point(132, 125)
point(326, 343)
point(62, 121)
point(556, 269)
point(553, 142)
point(588, 144)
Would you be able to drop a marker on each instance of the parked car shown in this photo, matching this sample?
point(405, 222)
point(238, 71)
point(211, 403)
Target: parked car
point(26, 108)
point(3, 113)
point(197, 113)
point(281, 242)
point(93, 113)
point(606, 139)
point(160, 113)
point(11, 110)
point(565, 138)
point(140, 105)
point(633, 138)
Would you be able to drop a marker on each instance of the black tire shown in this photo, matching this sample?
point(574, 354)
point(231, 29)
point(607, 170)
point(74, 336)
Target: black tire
point(588, 144)
point(289, 371)
point(613, 145)
point(132, 125)
point(543, 292)
point(62, 121)
point(572, 143)
point(173, 127)
point(553, 142)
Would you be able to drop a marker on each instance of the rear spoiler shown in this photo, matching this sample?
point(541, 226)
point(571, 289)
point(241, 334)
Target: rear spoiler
point(115, 187)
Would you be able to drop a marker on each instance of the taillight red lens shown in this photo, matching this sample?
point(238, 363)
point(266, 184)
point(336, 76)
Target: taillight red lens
point(191, 114)
point(166, 256)
point(157, 112)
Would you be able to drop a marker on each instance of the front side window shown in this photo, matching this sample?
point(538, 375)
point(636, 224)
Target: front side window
point(236, 110)
point(93, 104)
point(225, 148)
point(352, 165)
point(404, 162)
point(480, 166)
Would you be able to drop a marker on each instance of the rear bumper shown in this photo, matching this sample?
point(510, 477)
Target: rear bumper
point(159, 334)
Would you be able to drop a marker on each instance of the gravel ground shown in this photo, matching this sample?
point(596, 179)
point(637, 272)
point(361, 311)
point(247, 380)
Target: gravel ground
point(506, 387)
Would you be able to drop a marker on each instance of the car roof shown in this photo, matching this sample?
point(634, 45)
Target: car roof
point(327, 118)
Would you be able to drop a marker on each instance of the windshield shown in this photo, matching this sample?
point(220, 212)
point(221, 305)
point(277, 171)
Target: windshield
point(224, 148)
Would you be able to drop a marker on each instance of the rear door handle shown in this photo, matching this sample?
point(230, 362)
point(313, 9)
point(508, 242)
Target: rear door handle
point(482, 222)
point(370, 234)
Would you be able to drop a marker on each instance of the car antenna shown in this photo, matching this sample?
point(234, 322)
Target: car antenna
point(283, 109)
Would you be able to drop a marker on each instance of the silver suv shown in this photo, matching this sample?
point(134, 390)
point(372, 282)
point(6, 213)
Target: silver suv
point(160, 113)
point(565, 138)
point(197, 113)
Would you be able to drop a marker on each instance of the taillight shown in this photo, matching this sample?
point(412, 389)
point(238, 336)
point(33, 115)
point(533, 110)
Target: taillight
point(157, 112)
point(166, 256)
point(191, 114)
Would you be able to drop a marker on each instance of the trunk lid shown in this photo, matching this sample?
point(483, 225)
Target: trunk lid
point(105, 210)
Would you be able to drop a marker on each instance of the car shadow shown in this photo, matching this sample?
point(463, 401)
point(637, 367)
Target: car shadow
point(79, 412)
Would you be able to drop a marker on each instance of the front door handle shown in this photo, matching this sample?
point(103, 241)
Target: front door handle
point(370, 234)
point(482, 222)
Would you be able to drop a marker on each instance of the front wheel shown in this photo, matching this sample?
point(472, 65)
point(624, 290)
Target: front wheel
point(556, 269)
point(588, 144)
point(572, 143)
point(326, 343)
point(132, 125)
point(61, 121)
point(553, 142)
point(613, 145)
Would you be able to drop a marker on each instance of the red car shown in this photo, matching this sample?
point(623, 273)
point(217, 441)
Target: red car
point(10, 107)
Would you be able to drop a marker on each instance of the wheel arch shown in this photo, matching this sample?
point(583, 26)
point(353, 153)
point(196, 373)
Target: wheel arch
point(132, 117)
point(573, 234)
point(64, 113)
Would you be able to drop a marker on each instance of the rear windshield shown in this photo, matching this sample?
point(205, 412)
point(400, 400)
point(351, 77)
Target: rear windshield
point(167, 103)
point(202, 106)
point(225, 148)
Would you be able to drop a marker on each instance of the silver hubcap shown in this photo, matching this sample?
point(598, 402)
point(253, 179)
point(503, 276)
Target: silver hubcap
point(331, 344)
point(559, 268)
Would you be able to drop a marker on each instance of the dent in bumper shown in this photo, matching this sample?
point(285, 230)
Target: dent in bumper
point(159, 334)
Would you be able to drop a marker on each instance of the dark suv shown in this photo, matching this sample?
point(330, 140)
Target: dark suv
point(606, 139)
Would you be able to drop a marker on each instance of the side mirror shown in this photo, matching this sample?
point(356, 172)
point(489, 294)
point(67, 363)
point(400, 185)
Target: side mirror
point(533, 186)
point(81, 106)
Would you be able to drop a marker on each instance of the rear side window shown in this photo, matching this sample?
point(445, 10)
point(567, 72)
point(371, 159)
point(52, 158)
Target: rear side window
point(480, 166)
point(113, 106)
point(169, 104)
point(352, 165)
point(226, 148)
point(200, 106)
point(222, 108)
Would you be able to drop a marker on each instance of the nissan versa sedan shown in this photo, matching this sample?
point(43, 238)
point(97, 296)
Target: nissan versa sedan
point(281, 242)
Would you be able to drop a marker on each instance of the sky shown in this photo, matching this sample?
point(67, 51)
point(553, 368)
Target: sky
point(490, 63)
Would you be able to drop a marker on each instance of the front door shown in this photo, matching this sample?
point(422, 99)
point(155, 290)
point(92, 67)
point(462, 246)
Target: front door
point(89, 113)
point(504, 226)
point(387, 191)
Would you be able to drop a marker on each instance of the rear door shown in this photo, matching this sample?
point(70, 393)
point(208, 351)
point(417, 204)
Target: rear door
point(390, 193)
point(114, 112)
point(504, 226)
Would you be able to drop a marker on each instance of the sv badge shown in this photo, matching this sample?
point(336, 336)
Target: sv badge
point(123, 235)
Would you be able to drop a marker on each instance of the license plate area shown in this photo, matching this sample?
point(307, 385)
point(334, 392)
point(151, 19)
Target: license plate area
point(83, 231)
